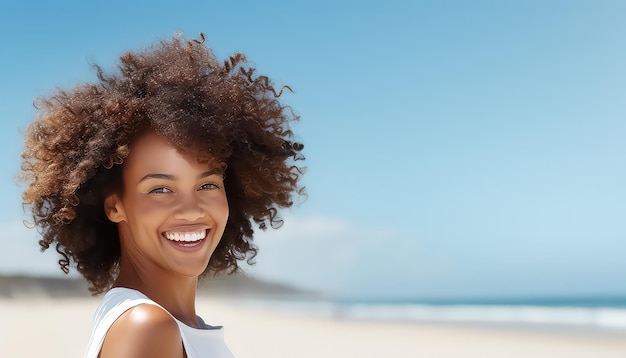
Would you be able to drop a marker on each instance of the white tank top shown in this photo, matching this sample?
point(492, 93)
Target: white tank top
point(198, 343)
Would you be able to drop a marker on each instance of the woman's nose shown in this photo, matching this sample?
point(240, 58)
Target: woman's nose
point(189, 209)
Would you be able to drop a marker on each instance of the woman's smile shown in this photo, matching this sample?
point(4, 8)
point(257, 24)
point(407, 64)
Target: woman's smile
point(186, 236)
point(187, 241)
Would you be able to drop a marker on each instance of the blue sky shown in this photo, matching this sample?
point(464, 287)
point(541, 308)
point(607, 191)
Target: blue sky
point(454, 148)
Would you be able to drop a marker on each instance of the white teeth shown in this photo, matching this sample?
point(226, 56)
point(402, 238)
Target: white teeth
point(186, 236)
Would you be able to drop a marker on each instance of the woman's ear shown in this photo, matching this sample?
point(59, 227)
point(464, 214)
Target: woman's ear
point(113, 208)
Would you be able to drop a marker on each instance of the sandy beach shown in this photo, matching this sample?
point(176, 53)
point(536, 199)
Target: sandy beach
point(36, 327)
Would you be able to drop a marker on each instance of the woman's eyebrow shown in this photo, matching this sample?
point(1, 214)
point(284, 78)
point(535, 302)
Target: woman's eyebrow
point(216, 171)
point(157, 176)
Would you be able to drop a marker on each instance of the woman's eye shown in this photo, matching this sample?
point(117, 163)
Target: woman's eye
point(209, 186)
point(160, 190)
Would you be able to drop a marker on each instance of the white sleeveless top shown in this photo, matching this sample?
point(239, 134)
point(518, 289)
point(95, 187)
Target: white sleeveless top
point(198, 343)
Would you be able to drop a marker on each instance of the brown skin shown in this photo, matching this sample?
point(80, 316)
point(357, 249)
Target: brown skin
point(164, 194)
point(144, 331)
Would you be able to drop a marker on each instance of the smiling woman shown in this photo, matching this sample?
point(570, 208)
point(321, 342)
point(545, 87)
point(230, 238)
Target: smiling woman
point(153, 177)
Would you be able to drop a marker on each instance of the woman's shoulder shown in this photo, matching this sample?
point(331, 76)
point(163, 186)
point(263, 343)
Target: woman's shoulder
point(129, 324)
point(145, 330)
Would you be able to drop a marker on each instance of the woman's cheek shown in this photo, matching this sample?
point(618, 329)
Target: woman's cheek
point(151, 205)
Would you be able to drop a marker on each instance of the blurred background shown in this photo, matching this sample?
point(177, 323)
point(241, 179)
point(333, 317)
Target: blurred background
point(465, 158)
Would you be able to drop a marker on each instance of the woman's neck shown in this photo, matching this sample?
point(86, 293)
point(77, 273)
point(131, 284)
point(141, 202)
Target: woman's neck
point(176, 294)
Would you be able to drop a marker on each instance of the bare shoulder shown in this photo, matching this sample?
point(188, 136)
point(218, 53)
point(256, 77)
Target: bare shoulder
point(143, 331)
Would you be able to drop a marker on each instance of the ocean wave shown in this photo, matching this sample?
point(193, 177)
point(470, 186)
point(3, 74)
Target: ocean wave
point(576, 316)
point(585, 317)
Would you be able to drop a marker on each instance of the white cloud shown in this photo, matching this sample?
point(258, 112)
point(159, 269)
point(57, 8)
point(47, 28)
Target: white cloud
point(337, 256)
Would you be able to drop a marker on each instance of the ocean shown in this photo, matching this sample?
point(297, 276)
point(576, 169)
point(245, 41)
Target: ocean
point(601, 314)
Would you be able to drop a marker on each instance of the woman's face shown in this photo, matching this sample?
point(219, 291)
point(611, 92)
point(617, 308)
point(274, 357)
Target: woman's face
point(173, 210)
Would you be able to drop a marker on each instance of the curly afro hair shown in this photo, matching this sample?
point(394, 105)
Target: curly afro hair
point(178, 89)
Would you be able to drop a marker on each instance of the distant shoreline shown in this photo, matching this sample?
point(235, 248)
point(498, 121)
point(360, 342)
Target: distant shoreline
point(12, 286)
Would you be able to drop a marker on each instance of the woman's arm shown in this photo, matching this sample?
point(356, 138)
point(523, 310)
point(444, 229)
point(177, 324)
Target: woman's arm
point(143, 331)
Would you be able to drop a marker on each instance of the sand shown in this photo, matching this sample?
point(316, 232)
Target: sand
point(44, 327)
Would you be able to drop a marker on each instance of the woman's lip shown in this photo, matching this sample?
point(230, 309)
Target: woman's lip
point(187, 246)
